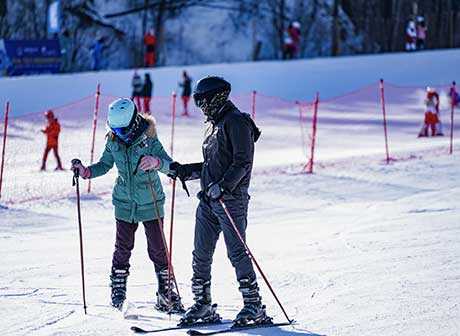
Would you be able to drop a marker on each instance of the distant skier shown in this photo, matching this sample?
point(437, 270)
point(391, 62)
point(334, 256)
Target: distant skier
point(454, 96)
point(421, 32)
point(291, 40)
point(65, 42)
point(133, 146)
point(138, 90)
point(147, 92)
point(186, 86)
point(96, 54)
point(411, 36)
point(150, 43)
point(228, 151)
point(432, 119)
point(52, 130)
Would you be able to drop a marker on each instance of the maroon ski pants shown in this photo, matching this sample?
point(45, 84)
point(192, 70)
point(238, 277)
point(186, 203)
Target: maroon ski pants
point(124, 244)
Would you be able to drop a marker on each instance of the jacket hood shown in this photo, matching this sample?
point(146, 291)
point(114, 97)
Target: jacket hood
point(151, 131)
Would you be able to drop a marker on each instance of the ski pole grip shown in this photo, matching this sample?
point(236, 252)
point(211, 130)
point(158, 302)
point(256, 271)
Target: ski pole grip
point(75, 170)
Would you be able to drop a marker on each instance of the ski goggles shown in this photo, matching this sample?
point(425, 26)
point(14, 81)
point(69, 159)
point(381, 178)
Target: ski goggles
point(131, 132)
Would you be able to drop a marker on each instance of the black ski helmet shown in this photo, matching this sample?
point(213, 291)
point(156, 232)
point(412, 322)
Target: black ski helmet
point(210, 94)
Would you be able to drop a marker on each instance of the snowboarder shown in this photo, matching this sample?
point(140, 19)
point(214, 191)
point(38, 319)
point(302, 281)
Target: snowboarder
point(432, 116)
point(186, 86)
point(150, 42)
point(147, 92)
point(228, 152)
point(421, 32)
point(411, 36)
point(138, 90)
point(52, 130)
point(133, 146)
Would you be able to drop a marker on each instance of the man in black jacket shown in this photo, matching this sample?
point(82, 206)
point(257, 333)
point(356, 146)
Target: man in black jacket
point(186, 86)
point(225, 173)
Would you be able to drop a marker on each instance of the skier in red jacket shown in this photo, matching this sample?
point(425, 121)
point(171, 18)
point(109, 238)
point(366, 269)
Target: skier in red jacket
point(52, 131)
point(432, 114)
point(149, 41)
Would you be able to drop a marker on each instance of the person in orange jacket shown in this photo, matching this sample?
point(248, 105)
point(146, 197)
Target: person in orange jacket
point(52, 131)
point(149, 42)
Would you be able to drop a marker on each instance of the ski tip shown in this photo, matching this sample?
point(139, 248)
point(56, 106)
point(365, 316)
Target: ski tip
point(138, 330)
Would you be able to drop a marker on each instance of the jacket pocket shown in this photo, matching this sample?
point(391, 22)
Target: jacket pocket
point(121, 203)
point(143, 194)
point(120, 190)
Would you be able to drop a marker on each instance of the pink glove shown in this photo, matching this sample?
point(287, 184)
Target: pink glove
point(83, 171)
point(150, 162)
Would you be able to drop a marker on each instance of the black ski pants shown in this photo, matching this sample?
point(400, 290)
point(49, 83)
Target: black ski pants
point(124, 244)
point(211, 220)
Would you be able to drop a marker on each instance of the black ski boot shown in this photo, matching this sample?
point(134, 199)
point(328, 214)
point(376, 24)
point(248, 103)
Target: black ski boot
point(253, 311)
point(118, 280)
point(202, 311)
point(167, 291)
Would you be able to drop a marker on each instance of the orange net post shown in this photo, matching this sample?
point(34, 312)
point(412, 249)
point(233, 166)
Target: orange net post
point(93, 140)
point(384, 114)
point(453, 103)
point(5, 130)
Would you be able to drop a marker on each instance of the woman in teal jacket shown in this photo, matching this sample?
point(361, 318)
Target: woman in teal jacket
point(133, 146)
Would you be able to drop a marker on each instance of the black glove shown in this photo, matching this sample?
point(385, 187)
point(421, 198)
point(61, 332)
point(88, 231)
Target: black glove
point(183, 172)
point(179, 171)
point(174, 168)
point(214, 192)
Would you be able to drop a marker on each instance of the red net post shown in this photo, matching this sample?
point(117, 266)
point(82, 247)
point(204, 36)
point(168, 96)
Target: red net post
point(382, 100)
point(5, 129)
point(453, 97)
point(93, 140)
point(173, 121)
point(314, 122)
point(253, 105)
point(173, 181)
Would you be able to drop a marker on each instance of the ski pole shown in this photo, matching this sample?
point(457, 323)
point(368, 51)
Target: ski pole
point(171, 227)
point(160, 222)
point(77, 185)
point(230, 218)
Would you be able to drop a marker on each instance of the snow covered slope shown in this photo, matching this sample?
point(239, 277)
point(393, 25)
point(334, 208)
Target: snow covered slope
point(358, 248)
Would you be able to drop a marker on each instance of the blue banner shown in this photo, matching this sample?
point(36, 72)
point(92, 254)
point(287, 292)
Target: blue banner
point(28, 57)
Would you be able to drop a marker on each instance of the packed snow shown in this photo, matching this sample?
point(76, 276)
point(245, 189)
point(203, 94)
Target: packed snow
point(357, 248)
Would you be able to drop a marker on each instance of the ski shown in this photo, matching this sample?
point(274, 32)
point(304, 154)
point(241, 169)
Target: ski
point(188, 326)
point(193, 332)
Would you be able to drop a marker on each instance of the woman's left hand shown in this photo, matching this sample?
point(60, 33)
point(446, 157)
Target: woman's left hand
point(150, 162)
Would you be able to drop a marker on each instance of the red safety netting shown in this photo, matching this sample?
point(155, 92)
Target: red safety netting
point(25, 144)
point(380, 122)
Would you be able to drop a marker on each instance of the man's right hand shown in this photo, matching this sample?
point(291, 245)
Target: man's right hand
point(178, 170)
point(83, 171)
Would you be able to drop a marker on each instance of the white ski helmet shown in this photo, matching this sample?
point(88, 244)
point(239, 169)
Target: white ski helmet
point(121, 112)
point(296, 24)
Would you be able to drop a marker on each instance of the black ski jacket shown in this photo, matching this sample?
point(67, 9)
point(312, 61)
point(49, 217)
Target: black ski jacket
point(186, 86)
point(228, 152)
point(147, 88)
